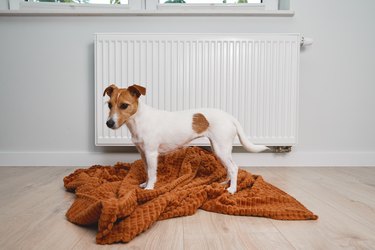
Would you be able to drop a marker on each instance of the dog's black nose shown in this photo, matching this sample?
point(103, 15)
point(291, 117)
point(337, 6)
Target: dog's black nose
point(110, 123)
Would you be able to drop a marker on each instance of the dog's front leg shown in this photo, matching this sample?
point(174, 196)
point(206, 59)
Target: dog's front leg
point(142, 153)
point(152, 164)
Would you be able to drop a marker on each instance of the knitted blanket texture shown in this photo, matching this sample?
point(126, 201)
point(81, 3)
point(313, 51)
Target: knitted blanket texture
point(188, 179)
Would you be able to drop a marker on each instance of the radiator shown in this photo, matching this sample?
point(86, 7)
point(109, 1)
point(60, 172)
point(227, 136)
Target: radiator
point(254, 77)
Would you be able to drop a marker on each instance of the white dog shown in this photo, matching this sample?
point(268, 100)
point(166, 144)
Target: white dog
point(156, 131)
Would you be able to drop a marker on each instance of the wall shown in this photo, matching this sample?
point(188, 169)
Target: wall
point(47, 83)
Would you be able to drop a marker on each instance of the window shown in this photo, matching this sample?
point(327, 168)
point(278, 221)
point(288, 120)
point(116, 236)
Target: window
point(212, 1)
point(81, 1)
point(148, 7)
point(212, 5)
point(80, 5)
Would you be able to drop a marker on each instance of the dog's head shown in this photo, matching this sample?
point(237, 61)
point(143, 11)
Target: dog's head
point(123, 103)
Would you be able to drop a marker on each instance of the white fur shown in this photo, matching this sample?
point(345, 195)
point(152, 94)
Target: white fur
point(115, 119)
point(156, 131)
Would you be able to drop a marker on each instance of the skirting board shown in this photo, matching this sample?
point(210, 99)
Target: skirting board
point(292, 159)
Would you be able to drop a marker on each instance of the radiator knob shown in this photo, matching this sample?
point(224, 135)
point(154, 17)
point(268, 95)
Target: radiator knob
point(306, 41)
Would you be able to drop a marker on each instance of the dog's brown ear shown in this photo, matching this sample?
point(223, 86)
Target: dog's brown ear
point(109, 90)
point(137, 90)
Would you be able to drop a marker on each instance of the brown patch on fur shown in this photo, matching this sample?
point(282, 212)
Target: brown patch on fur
point(118, 97)
point(109, 90)
point(137, 90)
point(200, 123)
point(124, 96)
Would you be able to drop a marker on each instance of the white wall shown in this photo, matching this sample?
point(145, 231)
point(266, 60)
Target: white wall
point(4, 4)
point(47, 83)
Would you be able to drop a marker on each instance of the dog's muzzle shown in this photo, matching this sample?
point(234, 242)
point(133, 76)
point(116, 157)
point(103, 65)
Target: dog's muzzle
point(110, 123)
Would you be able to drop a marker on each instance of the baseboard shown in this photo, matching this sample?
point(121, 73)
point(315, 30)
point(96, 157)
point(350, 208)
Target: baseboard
point(292, 159)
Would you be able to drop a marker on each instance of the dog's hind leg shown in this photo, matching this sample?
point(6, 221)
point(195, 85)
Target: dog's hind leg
point(232, 171)
point(224, 152)
point(213, 150)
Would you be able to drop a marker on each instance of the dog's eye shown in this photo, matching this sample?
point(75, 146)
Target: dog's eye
point(124, 106)
point(109, 105)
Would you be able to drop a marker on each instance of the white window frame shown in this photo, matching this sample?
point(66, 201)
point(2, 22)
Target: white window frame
point(146, 7)
point(265, 5)
point(22, 5)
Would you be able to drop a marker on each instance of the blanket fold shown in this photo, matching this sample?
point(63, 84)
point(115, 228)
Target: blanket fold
point(188, 179)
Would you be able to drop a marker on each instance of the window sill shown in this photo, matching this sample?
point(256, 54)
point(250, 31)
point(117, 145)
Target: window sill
point(128, 12)
point(210, 7)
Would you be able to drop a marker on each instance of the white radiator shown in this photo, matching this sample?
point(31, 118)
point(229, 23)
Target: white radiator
point(254, 77)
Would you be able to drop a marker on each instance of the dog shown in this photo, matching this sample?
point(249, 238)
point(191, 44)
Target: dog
point(157, 132)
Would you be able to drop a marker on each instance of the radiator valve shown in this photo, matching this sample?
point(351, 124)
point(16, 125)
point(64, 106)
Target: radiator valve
point(281, 149)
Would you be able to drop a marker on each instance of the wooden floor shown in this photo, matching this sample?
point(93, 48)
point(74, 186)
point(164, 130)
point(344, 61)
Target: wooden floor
point(33, 203)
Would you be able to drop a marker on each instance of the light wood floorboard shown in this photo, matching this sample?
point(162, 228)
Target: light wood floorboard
point(33, 203)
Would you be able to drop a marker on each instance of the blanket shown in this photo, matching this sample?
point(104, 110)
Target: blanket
point(187, 179)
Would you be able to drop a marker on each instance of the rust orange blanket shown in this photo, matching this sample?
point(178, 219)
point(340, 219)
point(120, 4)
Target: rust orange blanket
point(188, 179)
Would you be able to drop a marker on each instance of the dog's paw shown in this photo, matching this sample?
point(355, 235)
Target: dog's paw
point(231, 190)
point(143, 185)
point(149, 186)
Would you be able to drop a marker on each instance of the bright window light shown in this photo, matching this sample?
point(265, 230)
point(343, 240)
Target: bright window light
point(210, 1)
point(81, 1)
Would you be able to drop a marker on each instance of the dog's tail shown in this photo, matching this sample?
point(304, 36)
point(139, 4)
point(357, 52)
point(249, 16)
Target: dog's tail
point(245, 142)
